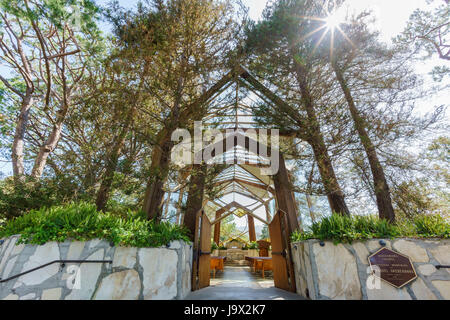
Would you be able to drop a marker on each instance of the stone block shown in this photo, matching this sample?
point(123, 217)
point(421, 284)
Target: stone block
point(44, 254)
point(362, 252)
point(443, 287)
point(412, 250)
point(94, 243)
point(30, 296)
point(186, 272)
point(160, 273)
point(442, 254)
point(51, 294)
point(9, 266)
point(8, 248)
point(387, 292)
point(88, 276)
point(374, 245)
point(18, 248)
point(175, 245)
point(75, 250)
point(427, 269)
point(421, 291)
point(125, 257)
point(337, 272)
point(124, 285)
point(308, 270)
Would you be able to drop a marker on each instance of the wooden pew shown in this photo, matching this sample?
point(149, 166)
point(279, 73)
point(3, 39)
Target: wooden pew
point(263, 264)
point(260, 264)
point(216, 264)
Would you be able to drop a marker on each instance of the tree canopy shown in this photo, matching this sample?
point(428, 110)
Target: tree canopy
point(88, 115)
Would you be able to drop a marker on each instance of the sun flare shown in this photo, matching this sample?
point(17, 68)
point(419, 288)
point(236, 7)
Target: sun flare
point(335, 19)
point(331, 24)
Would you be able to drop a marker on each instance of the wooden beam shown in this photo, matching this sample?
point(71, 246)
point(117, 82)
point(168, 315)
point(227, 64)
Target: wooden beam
point(253, 184)
point(223, 216)
point(285, 197)
point(217, 229)
point(251, 228)
point(240, 140)
point(253, 175)
point(253, 84)
point(251, 213)
point(234, 204)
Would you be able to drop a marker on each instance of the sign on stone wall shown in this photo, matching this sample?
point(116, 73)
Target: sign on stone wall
point(392, 267)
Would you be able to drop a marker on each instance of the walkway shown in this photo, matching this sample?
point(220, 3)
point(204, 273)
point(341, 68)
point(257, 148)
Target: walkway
point(239, 283)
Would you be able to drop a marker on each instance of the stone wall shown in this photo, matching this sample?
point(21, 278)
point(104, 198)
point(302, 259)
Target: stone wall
point(145, 273)
point(342, 271)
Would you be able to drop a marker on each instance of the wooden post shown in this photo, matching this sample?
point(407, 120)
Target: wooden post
point(285, 196)
point(217, 227)
point(268, 216)
point(251, 228)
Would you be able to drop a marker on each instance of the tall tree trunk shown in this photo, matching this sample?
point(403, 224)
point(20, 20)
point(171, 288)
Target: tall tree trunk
point(111, 166)
point(44, 151)
point(51, 142)
point(154, 194)
point(166, 205)
point(382, 192)
point(19, 136)
point(308, 196)
point(316, 140)
point(195, 197)
point(179, 202)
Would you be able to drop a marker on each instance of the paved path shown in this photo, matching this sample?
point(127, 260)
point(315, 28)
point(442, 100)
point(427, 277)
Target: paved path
point(239, 283)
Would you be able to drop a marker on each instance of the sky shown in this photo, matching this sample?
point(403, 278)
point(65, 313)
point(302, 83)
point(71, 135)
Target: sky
point(391, 15)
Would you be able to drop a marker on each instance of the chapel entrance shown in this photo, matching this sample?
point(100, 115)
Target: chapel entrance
point(229, 177)
point(280, 261)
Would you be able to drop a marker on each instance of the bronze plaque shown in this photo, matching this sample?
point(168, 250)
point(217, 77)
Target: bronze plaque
point(395, 268)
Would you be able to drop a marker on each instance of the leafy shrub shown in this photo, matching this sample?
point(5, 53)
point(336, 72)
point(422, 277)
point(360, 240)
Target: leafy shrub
point(347, 229)
point(81, 221)
point(432, 226)
point(214, 246)
point(19, 197)
point(253, 245)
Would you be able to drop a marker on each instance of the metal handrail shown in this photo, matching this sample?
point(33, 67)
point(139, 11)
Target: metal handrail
point(63, 262)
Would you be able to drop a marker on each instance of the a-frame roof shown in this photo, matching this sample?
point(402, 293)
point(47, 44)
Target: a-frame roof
point(229, 103)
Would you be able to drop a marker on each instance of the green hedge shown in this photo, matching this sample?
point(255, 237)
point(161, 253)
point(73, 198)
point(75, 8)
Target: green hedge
point(340, 229)
point(81, 221)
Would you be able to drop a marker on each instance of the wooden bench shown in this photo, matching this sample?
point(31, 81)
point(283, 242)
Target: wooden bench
point(260, 264)
point(217, 264)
